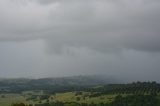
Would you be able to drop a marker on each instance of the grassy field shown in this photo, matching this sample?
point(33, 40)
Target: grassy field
point(8, 99)
point(83, 98)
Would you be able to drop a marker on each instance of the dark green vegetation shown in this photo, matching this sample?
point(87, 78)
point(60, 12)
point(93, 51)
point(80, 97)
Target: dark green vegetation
point(52, 84)
point(80, 91)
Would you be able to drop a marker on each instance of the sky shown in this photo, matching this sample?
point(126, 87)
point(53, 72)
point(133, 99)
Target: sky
point(55, 38)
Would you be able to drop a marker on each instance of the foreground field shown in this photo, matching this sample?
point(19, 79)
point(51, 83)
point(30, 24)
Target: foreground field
point(84, 97)
point(31, 97)
point(8, 99)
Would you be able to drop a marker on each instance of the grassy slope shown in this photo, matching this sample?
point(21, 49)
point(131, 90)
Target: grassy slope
point(70, 96)
point(64, 97)
point(11, 98)
point(17, 98)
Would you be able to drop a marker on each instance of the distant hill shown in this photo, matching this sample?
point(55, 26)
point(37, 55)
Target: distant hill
point(21, 84)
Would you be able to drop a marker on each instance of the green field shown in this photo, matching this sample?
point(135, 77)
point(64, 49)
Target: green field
point(83, 98)
point(11, 98)
point(8, 99)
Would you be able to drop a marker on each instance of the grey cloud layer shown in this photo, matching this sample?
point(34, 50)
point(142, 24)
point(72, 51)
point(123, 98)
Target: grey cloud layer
point(42, 38)
point(100, 25)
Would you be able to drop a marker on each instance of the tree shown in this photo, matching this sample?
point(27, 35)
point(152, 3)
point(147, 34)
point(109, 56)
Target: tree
point(18, 104)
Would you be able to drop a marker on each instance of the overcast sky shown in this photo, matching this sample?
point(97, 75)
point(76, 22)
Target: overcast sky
point(50, 38)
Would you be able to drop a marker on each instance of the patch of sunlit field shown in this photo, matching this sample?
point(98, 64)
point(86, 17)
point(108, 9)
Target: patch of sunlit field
point(83, 98)
point(8, 99)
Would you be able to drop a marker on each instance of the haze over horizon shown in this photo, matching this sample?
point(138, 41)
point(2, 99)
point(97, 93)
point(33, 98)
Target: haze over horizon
point(55, 38)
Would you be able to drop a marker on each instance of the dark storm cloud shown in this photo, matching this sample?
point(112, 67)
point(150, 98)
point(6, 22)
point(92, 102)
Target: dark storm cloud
point(101, 25)
point(91, 36)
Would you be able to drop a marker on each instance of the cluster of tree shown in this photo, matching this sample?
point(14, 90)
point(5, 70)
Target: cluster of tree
point(39, 98)
point(133, 88)
point(136, 100)
point(18, 104)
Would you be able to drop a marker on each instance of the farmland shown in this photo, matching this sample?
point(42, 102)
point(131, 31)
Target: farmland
point(46, 93)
